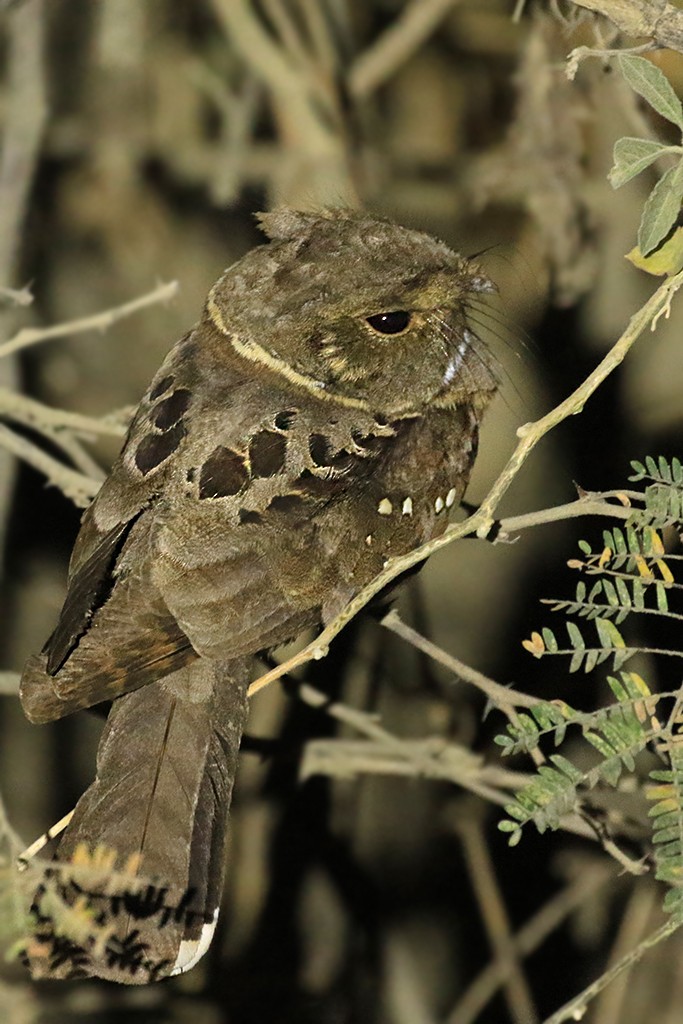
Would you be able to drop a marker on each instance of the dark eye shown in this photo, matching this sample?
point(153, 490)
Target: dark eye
point(390, 323)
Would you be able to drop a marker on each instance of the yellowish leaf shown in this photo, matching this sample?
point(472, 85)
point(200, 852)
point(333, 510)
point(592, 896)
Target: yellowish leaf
point(605, 557)
point(664, 569)
point(643, 568)
point(534, 645)
point(666, 260)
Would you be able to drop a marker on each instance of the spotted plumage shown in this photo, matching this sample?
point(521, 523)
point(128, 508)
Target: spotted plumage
point(320, 418)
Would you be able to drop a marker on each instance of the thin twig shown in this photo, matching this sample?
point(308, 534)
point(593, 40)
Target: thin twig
point(24, 121)
point(78, 487)
point(425, 758)
point(499, 695)
point(611, 1008)
point(482, 520)
point(41, 842)
point(428, 758)
point(401, 40)
point(317, 23)
point(290, 36)
point(242, 25)
point(49, 420)
point(530, 936)
point(16, 296)
point(96, 322)
point(495, 917)
point(75, 452)
point(314, 166)
point(576, 1007)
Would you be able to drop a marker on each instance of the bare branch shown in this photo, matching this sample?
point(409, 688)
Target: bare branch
point(50, 421)
point(530, 936)
point(658, 19)
point(576, 1007)
point(400, 41)
point(25, 117)
point(495, 917)
point(16, 296)
point(97, 322)
point(78, 487)
point(499, 695)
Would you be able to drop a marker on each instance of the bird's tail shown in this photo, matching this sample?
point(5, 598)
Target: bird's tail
point(165, 771)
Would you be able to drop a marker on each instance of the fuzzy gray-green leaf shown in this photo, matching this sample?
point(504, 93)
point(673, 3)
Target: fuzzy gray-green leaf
point(653, 85)
point(661, 209)
point(631, 156)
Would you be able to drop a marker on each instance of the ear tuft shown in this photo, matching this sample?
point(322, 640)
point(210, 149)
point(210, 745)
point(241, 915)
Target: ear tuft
point(285, 224)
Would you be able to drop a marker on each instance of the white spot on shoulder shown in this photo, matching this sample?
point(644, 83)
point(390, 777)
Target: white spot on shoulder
point(385, 508)
point(368, 539)
point(439, 505)
point(450, 497)
point(191, 951)
point(407, 507)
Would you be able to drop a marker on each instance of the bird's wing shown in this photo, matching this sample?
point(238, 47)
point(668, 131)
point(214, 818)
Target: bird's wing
point(115, 632)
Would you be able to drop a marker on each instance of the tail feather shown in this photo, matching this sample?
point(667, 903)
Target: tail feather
point(165, 772)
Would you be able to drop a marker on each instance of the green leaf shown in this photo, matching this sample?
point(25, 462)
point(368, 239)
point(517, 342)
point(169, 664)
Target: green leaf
point(661, 209)
point(653, 85)
point(631, 156)
point(662, 599)
point(549, 640)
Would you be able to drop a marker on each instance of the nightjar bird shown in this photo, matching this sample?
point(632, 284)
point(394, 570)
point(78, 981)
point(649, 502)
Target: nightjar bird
point(320, 418)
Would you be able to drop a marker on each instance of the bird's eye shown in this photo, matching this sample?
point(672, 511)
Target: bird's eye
point(395, 322)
